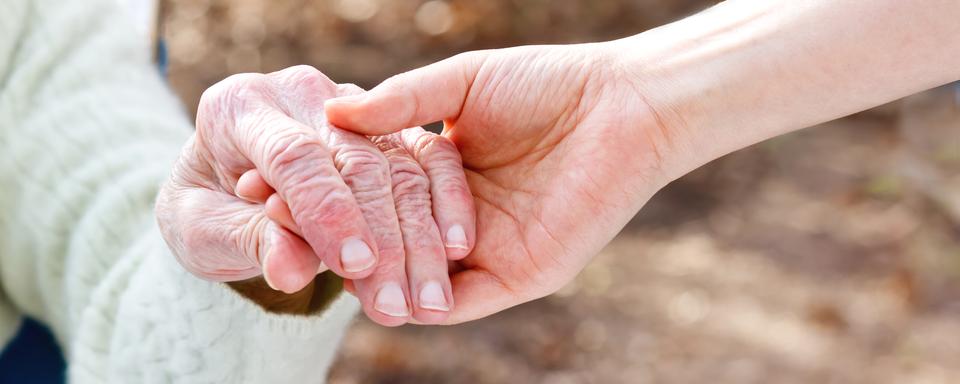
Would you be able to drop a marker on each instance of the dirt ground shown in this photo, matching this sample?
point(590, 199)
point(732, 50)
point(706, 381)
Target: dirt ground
point(830, 256)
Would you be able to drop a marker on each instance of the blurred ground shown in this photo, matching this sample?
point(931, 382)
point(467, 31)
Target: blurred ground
point(831, 255)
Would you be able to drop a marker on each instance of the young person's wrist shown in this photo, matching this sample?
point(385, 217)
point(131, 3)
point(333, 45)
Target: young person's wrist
point(678, 102)
point(745, 71)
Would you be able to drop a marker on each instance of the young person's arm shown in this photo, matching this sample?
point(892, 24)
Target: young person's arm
point(564, 143)
point(745, 71)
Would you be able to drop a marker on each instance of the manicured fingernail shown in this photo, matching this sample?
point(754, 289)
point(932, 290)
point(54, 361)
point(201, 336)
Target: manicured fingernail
point(356, 256)
point(390, 301)
point(456, 237)
point(432, 297)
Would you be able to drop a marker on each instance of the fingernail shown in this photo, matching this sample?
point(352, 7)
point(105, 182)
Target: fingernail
point(266, 273)
point(264, 261)
point(432, 297)
point(355, 99)
point(290, 280)
point(390, 301)
point(356, 256)
point(456, 237)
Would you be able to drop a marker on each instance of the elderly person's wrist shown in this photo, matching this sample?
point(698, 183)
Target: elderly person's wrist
point(311, 299)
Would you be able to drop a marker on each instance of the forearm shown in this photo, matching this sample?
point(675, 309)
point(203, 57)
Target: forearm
point(746, 71)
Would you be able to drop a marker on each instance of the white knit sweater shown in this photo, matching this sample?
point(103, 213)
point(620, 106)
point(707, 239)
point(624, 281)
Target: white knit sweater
point(88, 132)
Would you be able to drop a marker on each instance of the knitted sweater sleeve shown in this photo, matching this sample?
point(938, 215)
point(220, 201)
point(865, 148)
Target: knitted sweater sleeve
point(88, 132)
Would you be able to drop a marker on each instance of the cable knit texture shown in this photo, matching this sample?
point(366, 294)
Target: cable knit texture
point(88, 132)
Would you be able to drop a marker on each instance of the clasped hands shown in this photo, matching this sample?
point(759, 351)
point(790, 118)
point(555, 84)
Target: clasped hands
point(268, 187)
point(545, 156)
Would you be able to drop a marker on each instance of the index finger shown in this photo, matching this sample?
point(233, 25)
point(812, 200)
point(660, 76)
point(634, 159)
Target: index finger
point(453, 207)
point(241, 119)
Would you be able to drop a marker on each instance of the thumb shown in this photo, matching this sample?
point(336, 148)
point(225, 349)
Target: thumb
point(422, 96)
point(219, 237)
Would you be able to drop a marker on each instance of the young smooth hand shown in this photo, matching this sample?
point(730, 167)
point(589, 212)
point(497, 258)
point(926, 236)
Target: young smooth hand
point(560, 152)
point(564, 144)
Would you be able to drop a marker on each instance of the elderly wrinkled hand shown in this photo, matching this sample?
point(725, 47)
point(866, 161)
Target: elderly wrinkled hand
point(267, 186)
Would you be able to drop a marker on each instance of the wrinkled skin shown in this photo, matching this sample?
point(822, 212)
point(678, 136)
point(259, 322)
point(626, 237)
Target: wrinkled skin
point(560, 152)
point(267, 186)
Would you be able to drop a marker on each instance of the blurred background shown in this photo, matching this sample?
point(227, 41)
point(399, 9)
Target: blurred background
point(830, 255)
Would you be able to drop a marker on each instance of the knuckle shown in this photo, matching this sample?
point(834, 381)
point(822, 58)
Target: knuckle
point(449, 180)
point(411, 193)
point(440, 156)
point(422, 244)
point(228, 97)
point(312, 188)
point(390, 248)
point(305, 77)
point(302, 71)
point(436, 147)
point(389, 145)
point(364, 170)
point(409, 181)
point(415, 213)
point(235, 87)
point(294, 156)
point(243, 79)
point(334, 208)
point(414, 206)
point(391, 263)
point(453, 188)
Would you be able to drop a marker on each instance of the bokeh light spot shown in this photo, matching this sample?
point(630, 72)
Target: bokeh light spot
point(434, 17)
point(356, 10)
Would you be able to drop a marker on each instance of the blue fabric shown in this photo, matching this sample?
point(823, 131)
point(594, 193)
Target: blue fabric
point(32, 357)
point(163, 58)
